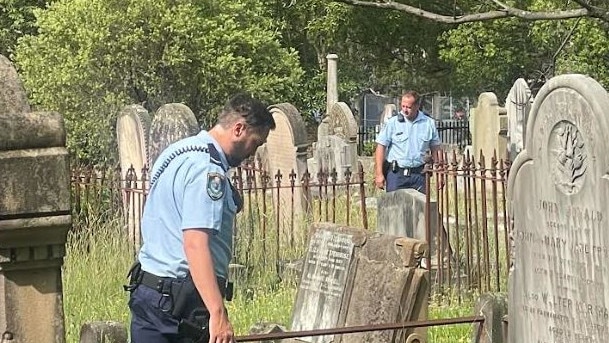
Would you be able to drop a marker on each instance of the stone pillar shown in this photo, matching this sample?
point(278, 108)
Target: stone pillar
point(34, 221)
point(332, 85)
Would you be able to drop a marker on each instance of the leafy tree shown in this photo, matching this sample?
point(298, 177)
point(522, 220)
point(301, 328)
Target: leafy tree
point(92, 57)
point(383, 50)
point(463, 12)
point(16, 20)
point(491, 55)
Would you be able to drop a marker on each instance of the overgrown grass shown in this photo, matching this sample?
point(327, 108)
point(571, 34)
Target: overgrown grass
point(97, 259)
point(99, 255)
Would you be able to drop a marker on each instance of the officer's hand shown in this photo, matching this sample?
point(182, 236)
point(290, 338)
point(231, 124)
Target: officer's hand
point(220, 329)
point(379, 181)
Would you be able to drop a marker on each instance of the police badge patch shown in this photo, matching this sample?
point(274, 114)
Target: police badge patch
point(215, 185)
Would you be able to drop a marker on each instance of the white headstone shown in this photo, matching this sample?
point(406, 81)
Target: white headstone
point(489, 119)
point(132, 127)
point(336, 146)
point(171, 123)
point(517, 104)
point(559, 201)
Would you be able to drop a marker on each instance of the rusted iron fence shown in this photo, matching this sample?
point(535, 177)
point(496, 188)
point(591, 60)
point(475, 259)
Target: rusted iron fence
point(279, 208)
point(472, 220)
point(277, 211)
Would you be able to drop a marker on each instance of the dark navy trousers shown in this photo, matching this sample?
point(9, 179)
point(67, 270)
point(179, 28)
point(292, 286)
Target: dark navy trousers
point(397, 180)
point(149, 323)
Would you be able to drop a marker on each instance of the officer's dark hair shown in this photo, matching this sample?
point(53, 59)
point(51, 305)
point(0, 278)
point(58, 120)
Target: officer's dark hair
point(242, 105)
point(415, 95)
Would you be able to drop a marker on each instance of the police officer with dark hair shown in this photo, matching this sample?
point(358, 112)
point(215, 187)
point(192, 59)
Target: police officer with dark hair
point(187, 228)
point(402, 146)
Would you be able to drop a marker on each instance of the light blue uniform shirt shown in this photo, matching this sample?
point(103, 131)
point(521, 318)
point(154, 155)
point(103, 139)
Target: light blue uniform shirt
point(189, 190)
point(407, 142)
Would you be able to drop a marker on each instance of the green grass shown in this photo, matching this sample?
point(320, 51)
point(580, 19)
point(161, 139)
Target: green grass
point(99, 255)
point(441, 307)
point(97, 260)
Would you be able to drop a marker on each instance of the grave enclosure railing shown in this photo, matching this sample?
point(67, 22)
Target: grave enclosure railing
point(267, 230)
point(472, 217)
point(272, 227)
point(452, 132)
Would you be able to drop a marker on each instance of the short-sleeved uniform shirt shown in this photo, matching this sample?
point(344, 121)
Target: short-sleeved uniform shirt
point(189, 190)
point(407, 142)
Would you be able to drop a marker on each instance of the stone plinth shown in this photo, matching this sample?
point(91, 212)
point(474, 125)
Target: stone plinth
point(34, 221)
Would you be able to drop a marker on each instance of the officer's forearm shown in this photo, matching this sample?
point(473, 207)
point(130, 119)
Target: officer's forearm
point(437, 153)
point(201, 266)
point(379, 158)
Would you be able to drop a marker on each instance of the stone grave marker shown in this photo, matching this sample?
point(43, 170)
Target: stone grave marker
point(489, 122)
point(12, 95)
point(352, 277)
point(287, 148)
point(388, 111)
point(559, 201)
point(132, 126)
point(402, 213)
point(323, 282)
point(518, 105)
point(336, 146)
point(171, 123)
point(35, 218)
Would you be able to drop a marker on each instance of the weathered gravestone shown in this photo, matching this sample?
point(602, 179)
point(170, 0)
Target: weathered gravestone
point(518, 105)
point(389, 110)
point(559, 201)
point(336, 147)
point(34, 220)
point(402, 213)
point(352, 277)
point(286, 152)
point(103, 332)
point(488, 126)
point(132, 126)
point(12, 95)
point(171, 123)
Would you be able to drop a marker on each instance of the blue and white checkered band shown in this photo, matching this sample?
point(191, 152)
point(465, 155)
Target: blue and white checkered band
point(215, 185)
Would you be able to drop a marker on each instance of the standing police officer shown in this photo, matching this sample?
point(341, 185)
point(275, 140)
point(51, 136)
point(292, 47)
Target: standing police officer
point(187, 229)
point(402, 145)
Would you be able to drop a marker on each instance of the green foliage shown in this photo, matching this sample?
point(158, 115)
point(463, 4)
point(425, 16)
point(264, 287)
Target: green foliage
point(16, 20)
point(98, 256)
point(380, 49)
point(369, 149)
point(97, 260)
point(490, 56)
point(586, 50)
point(92, 57)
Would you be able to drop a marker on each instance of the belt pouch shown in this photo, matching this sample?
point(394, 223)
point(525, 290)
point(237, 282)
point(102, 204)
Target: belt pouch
point(186, 298)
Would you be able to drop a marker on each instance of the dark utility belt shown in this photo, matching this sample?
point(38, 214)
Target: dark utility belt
point(180, 297)
point(164, 284)
point(410, 171)
point(394, 168)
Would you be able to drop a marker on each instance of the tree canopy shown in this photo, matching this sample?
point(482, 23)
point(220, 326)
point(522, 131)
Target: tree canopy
point(86, 59)
point(90, 57)
point(466, 11)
